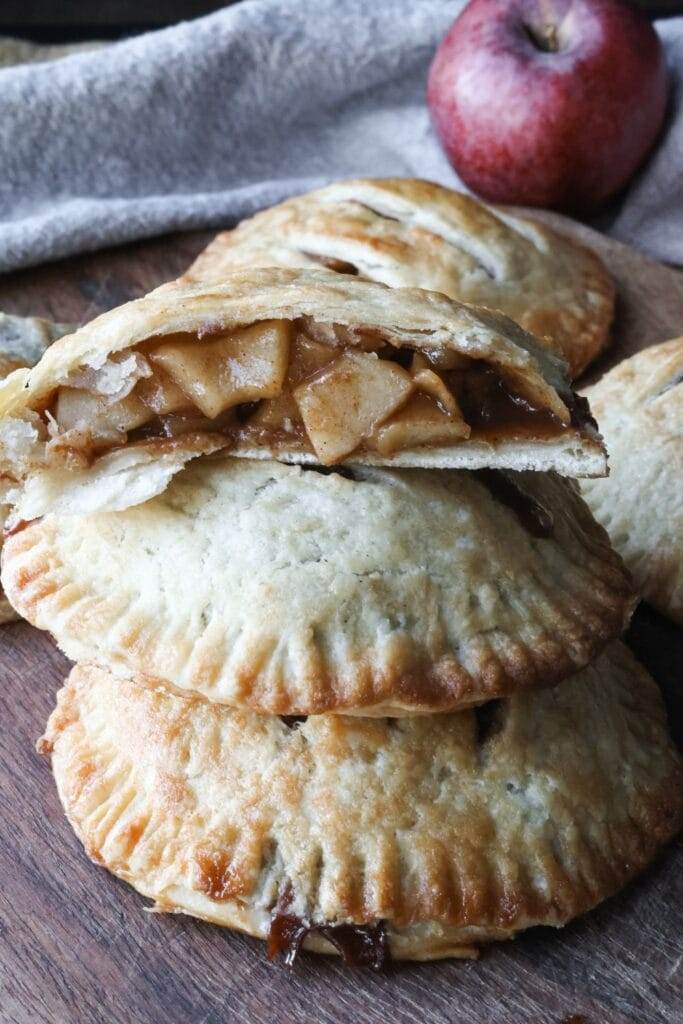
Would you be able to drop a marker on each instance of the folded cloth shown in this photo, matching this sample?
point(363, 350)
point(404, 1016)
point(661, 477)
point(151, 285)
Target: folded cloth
point(200, 124)
point(21, 51)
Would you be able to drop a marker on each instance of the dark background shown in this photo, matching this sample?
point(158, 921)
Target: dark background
point(70, 20)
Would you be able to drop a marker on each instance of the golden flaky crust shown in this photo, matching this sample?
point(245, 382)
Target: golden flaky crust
point(295, 592)
point(413, 233)
point(23, 339)
point(7, 612)
point(451, 829)
point(405, 317)
point(639, 405)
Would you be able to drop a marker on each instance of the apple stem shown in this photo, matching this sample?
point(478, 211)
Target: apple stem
point(544, 38)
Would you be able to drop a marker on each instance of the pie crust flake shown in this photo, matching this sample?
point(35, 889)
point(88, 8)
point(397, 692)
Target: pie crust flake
point(441, 833)
point(293, 590)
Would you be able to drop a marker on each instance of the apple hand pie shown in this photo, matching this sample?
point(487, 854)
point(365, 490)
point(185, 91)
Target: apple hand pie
point(640, 406)
point(412, 233)
point(23, 339)
point(305, 366)
point(294, 591)
point(420, 838)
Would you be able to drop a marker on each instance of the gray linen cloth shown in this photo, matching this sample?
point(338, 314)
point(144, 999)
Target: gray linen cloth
point(200, 124)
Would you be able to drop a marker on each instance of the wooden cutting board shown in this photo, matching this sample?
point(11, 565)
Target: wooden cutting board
point(75, 944)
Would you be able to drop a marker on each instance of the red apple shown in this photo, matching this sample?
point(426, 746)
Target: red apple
point(548, 102)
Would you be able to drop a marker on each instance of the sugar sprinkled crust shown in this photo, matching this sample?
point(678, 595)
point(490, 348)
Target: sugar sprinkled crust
point(452, 832)
point(378, 591)
point(413, 233)
point(640, 408)
point(406, 317)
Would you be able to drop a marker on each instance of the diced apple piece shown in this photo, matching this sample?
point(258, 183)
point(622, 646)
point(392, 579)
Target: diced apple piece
point(419, 362)
point(307, 358)
point(81, 410)
point(420, 422)
point(333, 335)
point(275, 414)
point(162, 394)
point(447, 359)
point(75, 408)
point(365, 339)
point(431, 384)
point(535, 391)
point(243, 366)
point(346, 402)
point(175, 424)
point(369, 339)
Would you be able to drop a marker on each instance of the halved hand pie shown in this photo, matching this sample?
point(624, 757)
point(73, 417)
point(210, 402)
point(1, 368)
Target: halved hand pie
point(406, 232)
point(295, 591)
point(422, 837)
point(305, 366)
point(640, 406)
point(23, 339)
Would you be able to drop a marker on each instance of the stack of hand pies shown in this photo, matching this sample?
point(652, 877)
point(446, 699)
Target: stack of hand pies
point(348, 674)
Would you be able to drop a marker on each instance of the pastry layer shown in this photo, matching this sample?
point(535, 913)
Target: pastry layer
point(297, 591)
point(305, 366)
point(412, 233)
point(640, 407)
point(445, 831)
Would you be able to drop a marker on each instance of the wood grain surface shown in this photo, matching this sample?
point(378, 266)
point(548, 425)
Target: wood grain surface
point(75, 944)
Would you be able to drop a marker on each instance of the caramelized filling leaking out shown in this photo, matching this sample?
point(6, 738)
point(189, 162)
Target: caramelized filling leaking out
point(534, 517)
point(486, 720)
point(286, 935)
point(358, 945)
point(291, 720)
point(580, 412)
point(332, 263)
point(305, 387)
point(491, 408)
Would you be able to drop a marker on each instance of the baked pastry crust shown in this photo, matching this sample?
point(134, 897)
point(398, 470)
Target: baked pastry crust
point(406, 232)
point(452, 833)
point(380, 592)
point(640, 407)
point(23, 339)
point(406, 317)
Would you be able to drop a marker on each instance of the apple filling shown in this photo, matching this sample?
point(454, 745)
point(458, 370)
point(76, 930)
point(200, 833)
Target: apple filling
point(297, 386)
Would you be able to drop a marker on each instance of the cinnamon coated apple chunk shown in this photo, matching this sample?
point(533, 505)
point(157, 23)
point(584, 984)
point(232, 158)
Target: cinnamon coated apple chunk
point(280, 380)
point(304, 366)
point(342, 406)
point(240, 366)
